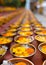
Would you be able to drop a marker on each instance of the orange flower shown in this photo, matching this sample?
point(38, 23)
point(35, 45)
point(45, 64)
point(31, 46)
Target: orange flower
point(30, 50)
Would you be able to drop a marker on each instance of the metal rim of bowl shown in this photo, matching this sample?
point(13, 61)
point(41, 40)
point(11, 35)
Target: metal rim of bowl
point(22, 59)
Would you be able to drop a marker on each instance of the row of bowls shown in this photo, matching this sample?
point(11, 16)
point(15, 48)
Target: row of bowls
point(7, 39)
point(24, 31)
point(25, 45)
point(30, 45)
point(5, 19)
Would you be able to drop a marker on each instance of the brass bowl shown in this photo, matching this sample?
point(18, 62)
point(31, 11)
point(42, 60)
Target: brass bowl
point(16, 60)
point(23, 33)
point(31, 39)
point(23, 45)
point(39, 32)
point(5, 43)
point(39, 47)
point(40, 38)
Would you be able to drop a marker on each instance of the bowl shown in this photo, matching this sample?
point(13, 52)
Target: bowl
point(24, 29)
point(28, 33)
point(25, 25)
point(37, 25)
point(16, 60)
point(5, 40)
point(40, 28)
point(41, 38)
point(11, 30)
point(42, 49)
point(23, 40)
point(23, 50)
point(9, 34)
point(41, 32)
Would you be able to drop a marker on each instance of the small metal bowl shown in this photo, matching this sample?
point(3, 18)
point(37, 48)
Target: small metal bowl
point(31, 38)
point(6, 42)
point(39, 32)
point(12, 30)
point(16, 60)
point(38, 38)
point(23, 45)
point(39, 47)
point(14, 33)
point(23, 33)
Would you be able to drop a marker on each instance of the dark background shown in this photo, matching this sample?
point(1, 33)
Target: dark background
point(13, 3)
